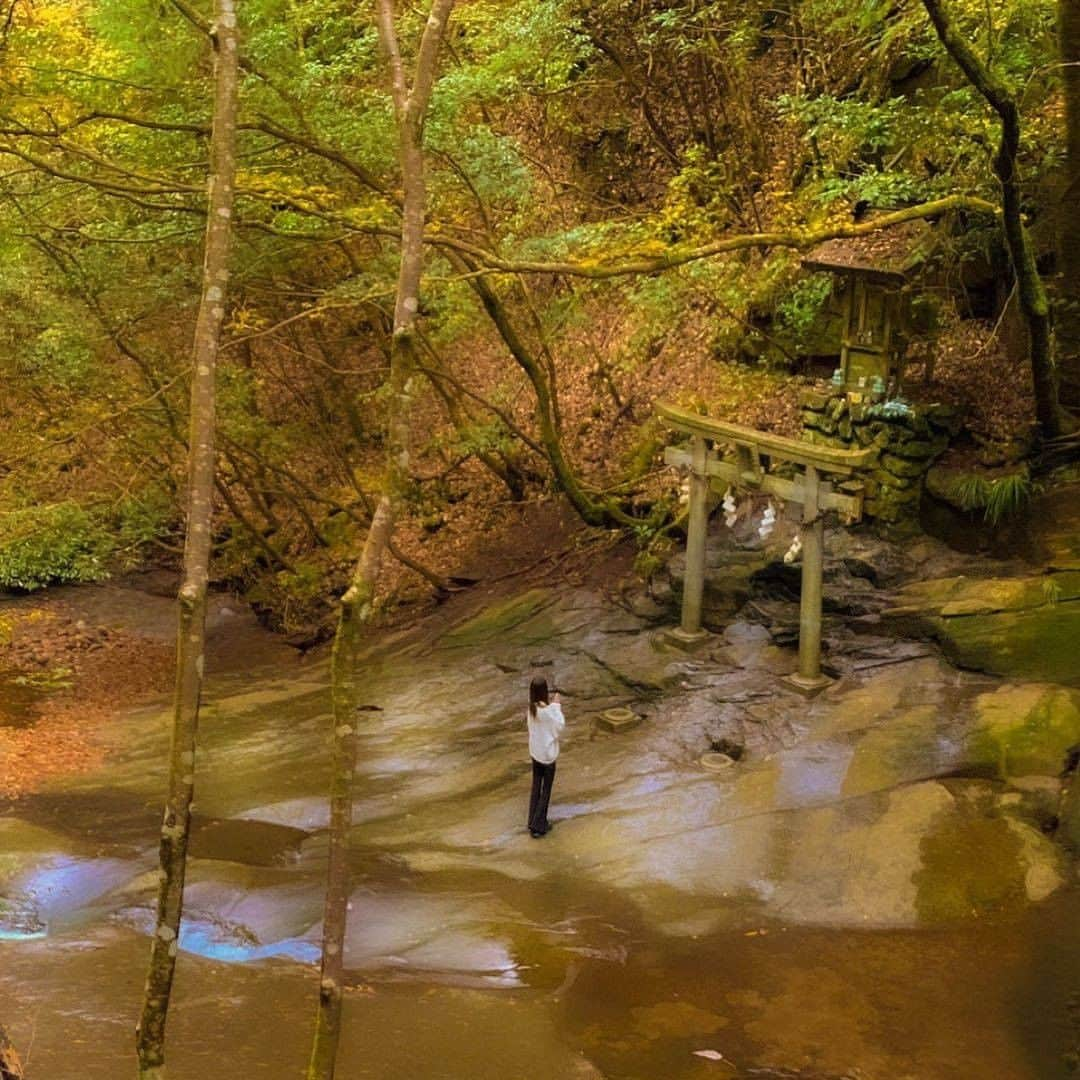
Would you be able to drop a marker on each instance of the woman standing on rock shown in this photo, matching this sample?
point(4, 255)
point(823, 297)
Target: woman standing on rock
point(546, 723)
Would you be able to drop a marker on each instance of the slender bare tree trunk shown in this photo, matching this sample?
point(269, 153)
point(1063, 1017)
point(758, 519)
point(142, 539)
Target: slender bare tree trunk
point(410, 109)
point(1067, 313)
point(190, 639)
point(1033, 300)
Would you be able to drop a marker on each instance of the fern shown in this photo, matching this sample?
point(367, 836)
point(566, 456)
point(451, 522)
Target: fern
point(971, 492)
point(998, 499)
point(1007, 496)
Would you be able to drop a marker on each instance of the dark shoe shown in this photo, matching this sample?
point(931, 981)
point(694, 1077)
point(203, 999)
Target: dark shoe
point(535, 834)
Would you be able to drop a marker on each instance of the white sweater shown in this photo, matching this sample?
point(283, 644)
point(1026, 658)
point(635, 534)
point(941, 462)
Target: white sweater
point(544, 731)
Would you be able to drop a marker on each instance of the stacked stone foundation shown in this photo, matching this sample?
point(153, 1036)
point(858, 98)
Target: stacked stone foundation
point(907, 438)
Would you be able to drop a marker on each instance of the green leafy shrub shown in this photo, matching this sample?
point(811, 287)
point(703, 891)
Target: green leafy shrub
point(137, 521)
point(804, 302)
point(46, 545)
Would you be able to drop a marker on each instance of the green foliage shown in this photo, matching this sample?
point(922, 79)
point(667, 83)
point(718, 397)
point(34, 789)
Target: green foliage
point(700, 197)
point(657, 304)
point(878, 189)
point(558, 129)
point(653, 554)
point(47, 545)
point(970, 492)
point(804, 302)
point(304, 582)
point(56, 678)
point(1000, 498)
point(60, 356)
point(482, 437)
point(1008, 495)
point(136, 522)
point(845, 129)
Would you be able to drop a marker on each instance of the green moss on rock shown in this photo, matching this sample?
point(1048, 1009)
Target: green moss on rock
point(503, 618)
point(1025, 730)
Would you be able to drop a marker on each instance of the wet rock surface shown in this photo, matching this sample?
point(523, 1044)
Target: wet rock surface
point(909, 798)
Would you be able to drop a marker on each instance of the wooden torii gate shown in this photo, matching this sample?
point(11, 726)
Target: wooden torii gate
point(747, 469)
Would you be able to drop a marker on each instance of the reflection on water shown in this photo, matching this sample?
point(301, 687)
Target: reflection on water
point(591, 991)
point(227, 944)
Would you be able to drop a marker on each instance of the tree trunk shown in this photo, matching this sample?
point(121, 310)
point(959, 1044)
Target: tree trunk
point(175, 828)
point(1033, 300)
point(592, 512)
point(1067, 311)
point(410, 109)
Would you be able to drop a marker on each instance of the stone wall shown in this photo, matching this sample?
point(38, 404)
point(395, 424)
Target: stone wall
point(907, 439)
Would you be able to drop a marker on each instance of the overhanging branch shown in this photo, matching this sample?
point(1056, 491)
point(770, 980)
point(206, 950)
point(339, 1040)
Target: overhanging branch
point(654, 262)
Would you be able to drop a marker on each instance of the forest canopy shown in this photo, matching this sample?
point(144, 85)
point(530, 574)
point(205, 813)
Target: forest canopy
point(618, 195)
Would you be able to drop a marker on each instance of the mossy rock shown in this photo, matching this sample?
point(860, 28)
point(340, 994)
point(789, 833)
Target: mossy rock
point(1055, 526)
point(885, 510)
point(1042, 643)
point(977, 861)
point(946, 418)
point(1023, 627)
point(504, 618)
point(943, 485)
point(819, 422)
point(903, 487)
point(903, 467)
point(816, 400)
point(1069, 818)
point(963, 595)
point(920, 450)
point(1024, 730)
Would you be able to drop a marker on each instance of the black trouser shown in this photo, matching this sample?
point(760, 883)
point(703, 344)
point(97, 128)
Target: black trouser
point(543, 777)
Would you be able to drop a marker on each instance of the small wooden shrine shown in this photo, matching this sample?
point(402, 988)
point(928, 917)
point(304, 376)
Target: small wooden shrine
point(874, 273)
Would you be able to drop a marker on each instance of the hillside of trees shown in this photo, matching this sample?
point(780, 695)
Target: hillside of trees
point(615, 199)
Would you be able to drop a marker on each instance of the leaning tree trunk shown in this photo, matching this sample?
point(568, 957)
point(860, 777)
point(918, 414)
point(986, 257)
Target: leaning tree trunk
point(410, 109)
point(1033, 299)
point(1067, 312)
point(191, 631)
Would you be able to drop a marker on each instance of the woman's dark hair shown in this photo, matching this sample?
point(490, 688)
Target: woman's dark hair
point(538, 693)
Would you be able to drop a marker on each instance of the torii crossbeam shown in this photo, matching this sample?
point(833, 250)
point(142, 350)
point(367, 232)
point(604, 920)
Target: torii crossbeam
point(808, 489)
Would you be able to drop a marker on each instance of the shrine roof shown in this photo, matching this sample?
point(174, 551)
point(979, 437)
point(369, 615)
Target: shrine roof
point(889, 255)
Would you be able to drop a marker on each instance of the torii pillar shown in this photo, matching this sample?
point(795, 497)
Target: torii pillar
point(689, 632)
point(808, 679)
